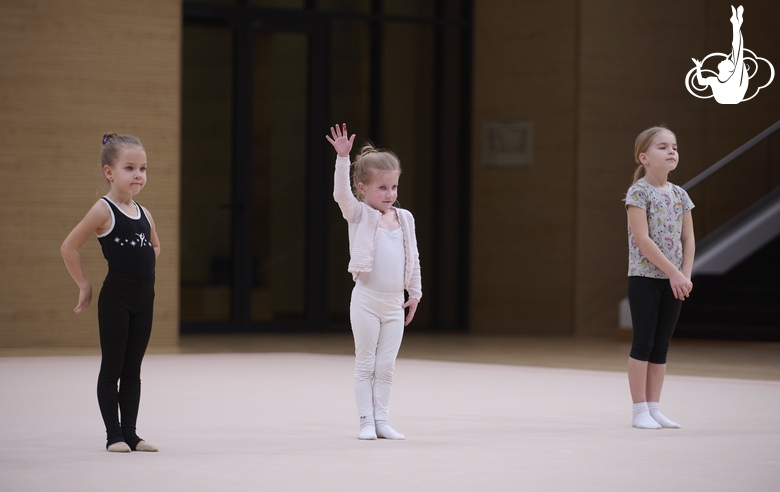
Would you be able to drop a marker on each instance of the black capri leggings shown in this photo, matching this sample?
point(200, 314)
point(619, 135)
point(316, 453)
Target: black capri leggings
point(654, 313)
point(125, 309)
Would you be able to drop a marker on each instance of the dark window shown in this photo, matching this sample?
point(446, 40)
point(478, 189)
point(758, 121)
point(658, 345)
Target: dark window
point(264, 247)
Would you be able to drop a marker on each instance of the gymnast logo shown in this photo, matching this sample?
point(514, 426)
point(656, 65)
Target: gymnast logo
point(735, 70)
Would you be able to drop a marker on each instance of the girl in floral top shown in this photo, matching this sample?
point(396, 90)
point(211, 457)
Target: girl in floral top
point(661, 247)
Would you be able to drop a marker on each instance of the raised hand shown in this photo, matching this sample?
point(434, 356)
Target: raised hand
point(697, 62)
point(340, 141)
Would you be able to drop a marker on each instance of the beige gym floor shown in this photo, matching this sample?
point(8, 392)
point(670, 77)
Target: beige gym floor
point(276, 412)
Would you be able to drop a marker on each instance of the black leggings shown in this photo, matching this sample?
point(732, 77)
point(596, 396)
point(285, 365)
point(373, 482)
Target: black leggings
point(125, 309)
point(654, 313)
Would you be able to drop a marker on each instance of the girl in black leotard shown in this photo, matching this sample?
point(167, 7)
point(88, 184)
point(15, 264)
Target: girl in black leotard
point(130, 245)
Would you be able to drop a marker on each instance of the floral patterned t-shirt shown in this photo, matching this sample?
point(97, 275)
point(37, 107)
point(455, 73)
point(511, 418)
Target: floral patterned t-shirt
point(665, 209)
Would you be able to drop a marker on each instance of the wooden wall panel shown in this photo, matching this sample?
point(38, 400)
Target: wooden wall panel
point(522, 218)
point(633, 61)
point(549, 247)
point(71, 70)
point(548, 241)
point(634, 56)
point(727, 127)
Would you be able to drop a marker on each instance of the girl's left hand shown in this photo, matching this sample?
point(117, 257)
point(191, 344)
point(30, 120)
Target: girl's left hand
point(85, 297)
point(412, 305)
point(341, 142)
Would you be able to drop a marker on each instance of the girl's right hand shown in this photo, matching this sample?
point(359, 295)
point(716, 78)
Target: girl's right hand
point(85, 297)
point(340, 142)
point(681, 285)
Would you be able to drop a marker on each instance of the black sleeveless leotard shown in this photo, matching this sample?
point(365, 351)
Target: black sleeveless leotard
point(127, 246)
point(125, 313)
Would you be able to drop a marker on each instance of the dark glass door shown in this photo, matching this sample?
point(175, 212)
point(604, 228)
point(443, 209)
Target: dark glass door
point(254, 185)
point(264, 246)
point(279, 114)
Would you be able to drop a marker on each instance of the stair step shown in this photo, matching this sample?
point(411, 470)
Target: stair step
point(724, 314)
point(728, 332)
point(735, 296)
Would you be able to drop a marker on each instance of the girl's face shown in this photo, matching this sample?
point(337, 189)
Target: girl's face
point(382, 192)
point(128, 174)
point(661, 156)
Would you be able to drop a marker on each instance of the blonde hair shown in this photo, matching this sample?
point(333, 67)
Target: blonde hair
point(368, 163)
point(643, 141)
point(113, 145)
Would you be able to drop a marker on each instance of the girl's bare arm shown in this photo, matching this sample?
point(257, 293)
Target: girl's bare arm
point(153, 239)
point(637, 218)
point(688, 244)
point(96, 219)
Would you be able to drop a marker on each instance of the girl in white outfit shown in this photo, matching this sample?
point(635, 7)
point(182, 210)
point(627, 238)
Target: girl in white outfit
point(384, 262)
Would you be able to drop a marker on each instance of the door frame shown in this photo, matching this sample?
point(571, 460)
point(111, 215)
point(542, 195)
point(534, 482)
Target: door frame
point(245, 21)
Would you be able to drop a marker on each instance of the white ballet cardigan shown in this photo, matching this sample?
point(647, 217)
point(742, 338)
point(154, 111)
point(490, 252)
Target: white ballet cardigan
point(363, 227)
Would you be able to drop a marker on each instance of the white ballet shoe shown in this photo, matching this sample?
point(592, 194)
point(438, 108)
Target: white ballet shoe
point(119, 447)
point(145, 446)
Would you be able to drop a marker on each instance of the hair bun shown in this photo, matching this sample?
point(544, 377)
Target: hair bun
point(367, 148)
point(107, 137)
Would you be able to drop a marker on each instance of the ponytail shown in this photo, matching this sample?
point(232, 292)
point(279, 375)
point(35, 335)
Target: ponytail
point(639, 173)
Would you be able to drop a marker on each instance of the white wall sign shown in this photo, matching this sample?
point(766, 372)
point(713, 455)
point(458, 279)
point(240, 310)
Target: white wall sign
point(507, 143)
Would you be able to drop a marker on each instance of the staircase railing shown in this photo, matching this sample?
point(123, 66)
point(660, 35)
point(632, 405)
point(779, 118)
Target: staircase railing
point(722, 194)
point(729, 158)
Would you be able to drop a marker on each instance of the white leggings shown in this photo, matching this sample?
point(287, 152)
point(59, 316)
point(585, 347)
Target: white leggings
point(378, 327)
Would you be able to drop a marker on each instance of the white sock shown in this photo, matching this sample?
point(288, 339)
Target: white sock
point(642, 418)
point(655, 412)
point(367, 429)
point(384, 431)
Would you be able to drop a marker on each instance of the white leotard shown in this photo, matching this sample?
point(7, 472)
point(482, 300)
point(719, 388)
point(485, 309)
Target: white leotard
point(387, 273)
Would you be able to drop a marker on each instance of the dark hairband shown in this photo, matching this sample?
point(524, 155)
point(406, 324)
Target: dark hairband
point(107, 137)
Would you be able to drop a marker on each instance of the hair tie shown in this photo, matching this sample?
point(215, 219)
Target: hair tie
point(107, 137)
